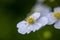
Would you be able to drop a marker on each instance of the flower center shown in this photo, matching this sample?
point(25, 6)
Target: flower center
point(57, 14)
point(30, 20)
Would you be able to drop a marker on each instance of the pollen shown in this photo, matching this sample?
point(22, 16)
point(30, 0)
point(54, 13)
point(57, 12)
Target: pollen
point(57, 14)
point(30, 20)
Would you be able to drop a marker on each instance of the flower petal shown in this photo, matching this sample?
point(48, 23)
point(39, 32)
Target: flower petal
point(38, 7)
point(22, 30)
point(36, 26)
point(57, 9)
point(21, 23)
point(35, 15)
point(43, 21)
point(51, 18)
point(23, 27)
point(57, 24)
point(45, 11)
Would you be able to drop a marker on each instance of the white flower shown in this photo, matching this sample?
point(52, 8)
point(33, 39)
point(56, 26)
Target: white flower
point(32, 23)
point(41, 1)
point(54, 17)
point(43, 9)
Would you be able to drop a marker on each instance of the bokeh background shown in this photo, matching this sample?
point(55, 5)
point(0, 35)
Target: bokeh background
point(13, 11)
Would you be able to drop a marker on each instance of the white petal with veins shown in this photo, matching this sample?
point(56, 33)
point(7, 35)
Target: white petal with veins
point(23, 27)
point(22, 23)
point(45, 11)
point(43, 21)
point(57, 24)
point(22, 30)
point(35, 26)
point(35, 15)
point(51, 18)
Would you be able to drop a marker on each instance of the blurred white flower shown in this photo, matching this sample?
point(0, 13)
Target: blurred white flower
point(54, 17)
point(41, 1)
point(43, 9)
point(32, 23)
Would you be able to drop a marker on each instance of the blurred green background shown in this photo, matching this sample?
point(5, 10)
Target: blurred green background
point(13, 11)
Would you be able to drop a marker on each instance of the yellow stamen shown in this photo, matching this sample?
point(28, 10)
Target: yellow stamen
point(57, 14)
point(30, 20)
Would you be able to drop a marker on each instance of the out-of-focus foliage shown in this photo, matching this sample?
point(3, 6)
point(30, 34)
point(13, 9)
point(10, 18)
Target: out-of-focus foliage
point(13, 11)
point(47, 34)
